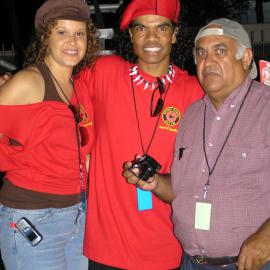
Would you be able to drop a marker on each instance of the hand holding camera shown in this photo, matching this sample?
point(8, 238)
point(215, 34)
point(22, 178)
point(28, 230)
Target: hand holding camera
point(141, 172)
point(147, 166)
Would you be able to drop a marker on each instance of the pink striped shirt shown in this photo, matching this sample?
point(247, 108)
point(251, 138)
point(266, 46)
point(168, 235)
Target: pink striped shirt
point(240, 183)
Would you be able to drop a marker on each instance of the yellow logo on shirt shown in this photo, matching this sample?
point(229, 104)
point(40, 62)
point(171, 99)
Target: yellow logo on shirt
point(171, 116)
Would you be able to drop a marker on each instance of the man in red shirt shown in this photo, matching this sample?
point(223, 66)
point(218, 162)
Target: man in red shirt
point(138, 100)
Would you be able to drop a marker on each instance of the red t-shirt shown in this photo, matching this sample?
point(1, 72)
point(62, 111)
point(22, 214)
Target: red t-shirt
point(45, 157)
point(117, 234)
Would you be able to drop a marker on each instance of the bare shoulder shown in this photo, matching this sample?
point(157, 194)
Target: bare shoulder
point(25, 87)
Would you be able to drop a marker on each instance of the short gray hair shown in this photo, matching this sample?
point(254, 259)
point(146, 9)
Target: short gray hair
point(240, 51)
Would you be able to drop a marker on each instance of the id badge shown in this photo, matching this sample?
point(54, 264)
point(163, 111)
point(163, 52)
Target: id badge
point(203, 216)
point(144, 200)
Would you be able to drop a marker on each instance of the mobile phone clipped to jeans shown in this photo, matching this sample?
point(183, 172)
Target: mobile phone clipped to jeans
point(28, 230)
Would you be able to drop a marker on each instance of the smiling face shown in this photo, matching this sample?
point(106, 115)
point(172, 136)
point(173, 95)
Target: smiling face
point(67, 43)
point(152, 37)
point(218, 69)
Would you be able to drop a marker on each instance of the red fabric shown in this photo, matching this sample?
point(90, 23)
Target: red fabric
point(169, 9)
point(117, 234)
point(47, 158)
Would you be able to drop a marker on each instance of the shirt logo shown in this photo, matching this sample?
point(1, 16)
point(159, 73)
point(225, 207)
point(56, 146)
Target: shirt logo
point(84, 117)
point(171, 116)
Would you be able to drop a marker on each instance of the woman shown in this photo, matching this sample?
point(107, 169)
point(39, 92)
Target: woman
point(45, 134)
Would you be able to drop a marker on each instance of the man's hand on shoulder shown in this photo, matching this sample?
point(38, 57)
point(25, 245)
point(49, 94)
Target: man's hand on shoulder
point(4, 78)
point(255, 251)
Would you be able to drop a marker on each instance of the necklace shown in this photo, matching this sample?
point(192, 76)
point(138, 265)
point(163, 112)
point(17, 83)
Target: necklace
point(75, 112)
point(77, 120)
point(138, 79)
point(145, 150)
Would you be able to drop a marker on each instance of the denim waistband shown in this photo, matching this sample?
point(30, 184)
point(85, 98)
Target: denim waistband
point(55, 210)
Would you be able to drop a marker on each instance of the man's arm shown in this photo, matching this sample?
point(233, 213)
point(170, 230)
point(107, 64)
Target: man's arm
point(160, 184)
point(163, 188)
point(255, 251)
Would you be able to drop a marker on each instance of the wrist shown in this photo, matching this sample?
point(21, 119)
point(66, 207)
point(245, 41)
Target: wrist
point(155, 181)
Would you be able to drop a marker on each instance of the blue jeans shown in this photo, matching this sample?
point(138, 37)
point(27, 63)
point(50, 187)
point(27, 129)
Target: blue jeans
point(62, 245)
point(188, 263)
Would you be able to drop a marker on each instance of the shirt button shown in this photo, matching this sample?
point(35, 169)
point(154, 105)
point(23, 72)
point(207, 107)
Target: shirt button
point(210, 144)
point(203, 171)
point(244, 155)
point(232, 106)
point(218, 118)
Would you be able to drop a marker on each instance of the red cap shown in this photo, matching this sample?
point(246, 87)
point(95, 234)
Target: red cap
point(166, 8)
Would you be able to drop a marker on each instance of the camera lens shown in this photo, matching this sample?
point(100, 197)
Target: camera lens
point(147, 166)
point(146, 174)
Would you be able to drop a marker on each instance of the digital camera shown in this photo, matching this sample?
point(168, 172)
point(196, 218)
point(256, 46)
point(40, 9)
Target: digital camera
point(147, 166)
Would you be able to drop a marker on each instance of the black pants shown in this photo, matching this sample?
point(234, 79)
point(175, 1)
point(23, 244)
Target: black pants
point(98, 266)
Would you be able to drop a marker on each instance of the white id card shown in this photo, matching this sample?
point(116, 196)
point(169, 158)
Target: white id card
point(203, 216)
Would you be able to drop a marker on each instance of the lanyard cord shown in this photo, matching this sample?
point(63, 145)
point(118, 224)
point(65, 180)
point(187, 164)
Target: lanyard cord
point(62, 89)
point(77, 119)
point(82, 179)
point(210, 171)
point(137, 117)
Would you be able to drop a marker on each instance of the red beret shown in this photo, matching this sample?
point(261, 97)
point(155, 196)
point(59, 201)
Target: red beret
point(166, 8)
point(51, 10)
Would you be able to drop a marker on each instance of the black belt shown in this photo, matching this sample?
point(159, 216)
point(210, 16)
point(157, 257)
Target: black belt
point(220, 261)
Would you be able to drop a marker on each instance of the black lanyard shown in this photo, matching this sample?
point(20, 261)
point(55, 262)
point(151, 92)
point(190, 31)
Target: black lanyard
point(210, 171)
point(76, 115)
point(137, 117)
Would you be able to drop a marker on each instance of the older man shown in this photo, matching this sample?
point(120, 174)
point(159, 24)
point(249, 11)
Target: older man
point(220, 189)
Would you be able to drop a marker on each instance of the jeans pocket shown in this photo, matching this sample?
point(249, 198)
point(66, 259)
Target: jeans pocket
point(34, 216)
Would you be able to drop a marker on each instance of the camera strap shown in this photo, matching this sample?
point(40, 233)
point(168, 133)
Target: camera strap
point(144, 197)
point(211, 170)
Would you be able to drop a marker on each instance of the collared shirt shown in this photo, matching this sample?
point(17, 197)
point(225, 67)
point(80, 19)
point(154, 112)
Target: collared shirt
point(240, 183)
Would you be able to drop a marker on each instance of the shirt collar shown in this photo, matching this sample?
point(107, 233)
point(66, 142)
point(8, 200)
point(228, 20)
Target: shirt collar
point(234, 98)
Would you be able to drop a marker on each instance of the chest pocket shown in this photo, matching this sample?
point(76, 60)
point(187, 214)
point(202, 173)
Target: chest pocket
point(246, 163)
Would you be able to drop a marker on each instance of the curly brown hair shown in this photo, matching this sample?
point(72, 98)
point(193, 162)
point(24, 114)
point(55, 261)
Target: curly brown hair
point(36, 50)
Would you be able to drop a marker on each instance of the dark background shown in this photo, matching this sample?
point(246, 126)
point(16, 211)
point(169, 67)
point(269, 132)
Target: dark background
point(23, 11)
point(17, 18)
